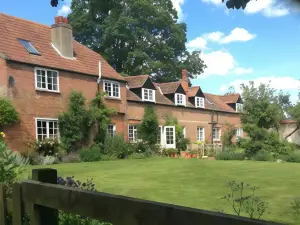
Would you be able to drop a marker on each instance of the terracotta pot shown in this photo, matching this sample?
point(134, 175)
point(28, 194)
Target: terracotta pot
point(173, 155)
point(183, 154)
point(188, 155)
point(194, 155)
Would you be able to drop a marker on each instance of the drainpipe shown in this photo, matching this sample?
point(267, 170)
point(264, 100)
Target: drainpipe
point(99, 78)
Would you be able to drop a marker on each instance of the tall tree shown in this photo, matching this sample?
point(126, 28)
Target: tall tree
point(136, 36)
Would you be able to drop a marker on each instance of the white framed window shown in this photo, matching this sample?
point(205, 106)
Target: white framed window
point(46, 128)
point(179, 99)
point(200, 134)
point(239, 132)
point(239, 107)
point(111, 88)
point(216, 134)
point(199, 102)
point(132, 133)
point(184, 132)
point(46, 80)
point(170, 141)
point(148, 95)
point(111, 130)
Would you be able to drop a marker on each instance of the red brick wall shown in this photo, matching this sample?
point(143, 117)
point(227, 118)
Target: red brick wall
point(31, 103)
point(189, 118)
point(3, 77)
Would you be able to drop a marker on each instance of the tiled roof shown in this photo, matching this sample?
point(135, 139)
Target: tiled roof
point(218, 102)
point(39, 35)
point(136, 81)
point(288, 121)
point(168, 88)
point(192, 91)
point(231, 98)
point(159, 98)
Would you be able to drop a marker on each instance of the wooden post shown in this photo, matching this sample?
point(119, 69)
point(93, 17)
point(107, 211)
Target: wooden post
point(3, 209)
point(41, 215)
point(17, 207)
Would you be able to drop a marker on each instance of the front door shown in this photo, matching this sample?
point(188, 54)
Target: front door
point(169, 133)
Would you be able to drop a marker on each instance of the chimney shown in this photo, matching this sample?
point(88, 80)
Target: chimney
point(62, 36)
point(184, 79)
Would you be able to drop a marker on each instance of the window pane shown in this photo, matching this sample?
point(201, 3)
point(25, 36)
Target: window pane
point(111, 130)
point(115, 90)
point(107, 88)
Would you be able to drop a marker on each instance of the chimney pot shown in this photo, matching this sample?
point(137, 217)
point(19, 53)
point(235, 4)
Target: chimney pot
point(59, 19)
point(66, 20)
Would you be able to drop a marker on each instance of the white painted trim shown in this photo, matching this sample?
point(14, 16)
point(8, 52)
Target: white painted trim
point(143, 94)
point(219, 134)
point(199, 106)
point(112, 82)
point(135, 138)
point(174, 137)
point(71, 58)
point(46, 89)
point(114, 129)
point(184, 132)
point(236, 107)
point(198, 133)
point(183, 99)
point(47, 128)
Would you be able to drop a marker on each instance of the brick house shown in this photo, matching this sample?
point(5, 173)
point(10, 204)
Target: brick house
point(40, 65)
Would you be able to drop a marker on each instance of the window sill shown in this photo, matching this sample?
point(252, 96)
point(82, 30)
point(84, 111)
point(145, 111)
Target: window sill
point(148, 101)
point(112, 98)
point(44, 90)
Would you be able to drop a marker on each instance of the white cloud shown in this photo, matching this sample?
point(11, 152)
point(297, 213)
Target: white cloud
point(177, 5)
point(238, 34)
point(198, 43)
point(65, 10)
point(269, 8)
point(240, 70)
point(214, 36)
point(280, 83)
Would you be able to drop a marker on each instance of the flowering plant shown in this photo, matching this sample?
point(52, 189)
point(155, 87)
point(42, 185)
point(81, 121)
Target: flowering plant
point(2, 136)
point(47, 147)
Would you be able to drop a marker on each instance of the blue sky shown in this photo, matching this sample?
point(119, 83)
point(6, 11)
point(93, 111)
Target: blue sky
point(261, 43)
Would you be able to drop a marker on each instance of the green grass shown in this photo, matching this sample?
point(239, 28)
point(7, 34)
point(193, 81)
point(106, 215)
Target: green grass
point(192, 182)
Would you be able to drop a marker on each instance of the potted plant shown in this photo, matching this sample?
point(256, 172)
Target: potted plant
point(194, 154)
point(172, 152)
point(183, 154)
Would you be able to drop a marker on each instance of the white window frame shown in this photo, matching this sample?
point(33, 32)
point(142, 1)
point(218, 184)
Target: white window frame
point(198, 134)
point(47, 120)
point(184, 132)
point(114, 129)
point(161, 135)
point(148, 91)
point(183, 99)
point(217, 139)
point(46, 79)
point(173, 145)
point(111, 88)
point(239, 107)
point(201, 102)
point(134, 133)
point(239, 132)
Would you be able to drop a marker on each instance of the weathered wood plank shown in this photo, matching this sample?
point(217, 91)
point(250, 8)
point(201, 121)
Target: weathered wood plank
point(9, 206)
point(41, 214)
point(17, 208)
point(121, 210)
point(3, 208)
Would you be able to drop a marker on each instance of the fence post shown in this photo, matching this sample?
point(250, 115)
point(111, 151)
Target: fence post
point(17, 205)
point(41, 215)
point(3, 209)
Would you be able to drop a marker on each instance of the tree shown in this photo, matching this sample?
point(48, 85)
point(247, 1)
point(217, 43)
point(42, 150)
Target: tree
point(231, 90)
point(136, 36)
point(294, 113)
point(149, 128)
point(8, 113)
point(228, 134)
point(261, 106)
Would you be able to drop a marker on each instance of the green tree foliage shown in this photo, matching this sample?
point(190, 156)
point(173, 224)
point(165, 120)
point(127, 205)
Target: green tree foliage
point(74, 125)
point(149, 128)
point(136, 36)
point(181, 142)
point(101, 115)
point(8, 113)
point(294, 113)
point(261, 106)
point(228, 134)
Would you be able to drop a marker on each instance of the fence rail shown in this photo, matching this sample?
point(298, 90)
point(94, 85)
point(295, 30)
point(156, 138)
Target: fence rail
point(42, 200)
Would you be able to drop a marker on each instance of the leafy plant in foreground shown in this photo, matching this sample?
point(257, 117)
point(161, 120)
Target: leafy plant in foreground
point(242, 198)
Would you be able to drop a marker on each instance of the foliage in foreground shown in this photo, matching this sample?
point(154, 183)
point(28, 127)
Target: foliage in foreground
point(230, 155)
point(243, 200)
point(8, 113)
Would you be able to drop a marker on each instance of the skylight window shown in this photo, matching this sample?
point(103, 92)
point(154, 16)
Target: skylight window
point(29, 47)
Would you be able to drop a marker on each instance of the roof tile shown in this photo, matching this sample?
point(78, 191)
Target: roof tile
point(136, 81)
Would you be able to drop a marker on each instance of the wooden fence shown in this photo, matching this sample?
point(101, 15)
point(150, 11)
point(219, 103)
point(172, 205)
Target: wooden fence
point(41, 198)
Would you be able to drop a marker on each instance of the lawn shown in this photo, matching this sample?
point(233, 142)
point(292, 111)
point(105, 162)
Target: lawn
point(192, 182)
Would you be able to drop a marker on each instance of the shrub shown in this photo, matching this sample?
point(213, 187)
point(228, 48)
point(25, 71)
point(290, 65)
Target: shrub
point(71, 157)
point(138, 156)
point(43, 160)
point(8, 113)
point(263, 156)
point(230, 156)
point(292, 157)
point(228, 134)
point(90, 154)
point(47, 147)
point(116, 146)
point(149, 128)
point(20, 160)
point(141, 147)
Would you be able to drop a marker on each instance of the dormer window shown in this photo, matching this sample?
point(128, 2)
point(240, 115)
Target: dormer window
point(239, 107)
point(148, 95)
point(179, 99)
point(199, 102)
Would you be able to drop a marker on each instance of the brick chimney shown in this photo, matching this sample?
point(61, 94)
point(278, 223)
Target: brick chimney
point(184, 79)
point(62, 36)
